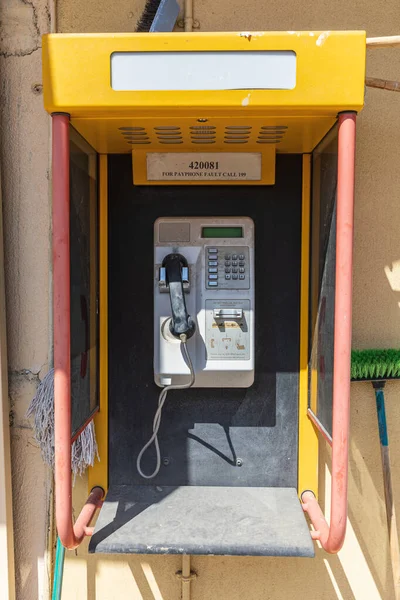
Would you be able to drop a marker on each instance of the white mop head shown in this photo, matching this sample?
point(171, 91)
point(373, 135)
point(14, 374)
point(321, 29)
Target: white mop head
point(84, 449)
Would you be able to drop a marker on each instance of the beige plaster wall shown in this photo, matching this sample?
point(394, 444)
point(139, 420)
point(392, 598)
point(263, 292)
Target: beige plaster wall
point(361, 571)
point(24, 156)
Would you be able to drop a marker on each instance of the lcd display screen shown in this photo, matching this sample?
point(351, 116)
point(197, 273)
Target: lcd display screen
point(222, 232)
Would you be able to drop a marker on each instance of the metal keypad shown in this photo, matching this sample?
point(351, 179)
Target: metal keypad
point(227, 267)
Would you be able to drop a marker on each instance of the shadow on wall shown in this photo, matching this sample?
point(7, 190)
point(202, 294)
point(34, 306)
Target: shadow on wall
point(365, 555)
point(31, 487)
point(392, 273)
point(376, 270)
point(361, 571)
point(366, 480)
point(236, 578)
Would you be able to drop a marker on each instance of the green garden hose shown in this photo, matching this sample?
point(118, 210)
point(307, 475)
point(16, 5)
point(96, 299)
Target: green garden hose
point(58, 571)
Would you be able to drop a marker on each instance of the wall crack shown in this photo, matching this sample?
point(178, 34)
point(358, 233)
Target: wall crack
point(22, 31)
point(19, 54)
point(35, 18)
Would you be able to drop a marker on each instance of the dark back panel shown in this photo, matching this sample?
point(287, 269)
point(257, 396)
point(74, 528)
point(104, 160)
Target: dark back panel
point(323, 277)
point(83, 256)
point(205, 431)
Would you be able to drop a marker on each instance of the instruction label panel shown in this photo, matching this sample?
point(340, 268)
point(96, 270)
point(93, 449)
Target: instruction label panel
point(227, 338)
point(204, 166)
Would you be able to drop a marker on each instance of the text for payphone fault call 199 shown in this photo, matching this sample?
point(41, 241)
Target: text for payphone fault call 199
point(223, 166)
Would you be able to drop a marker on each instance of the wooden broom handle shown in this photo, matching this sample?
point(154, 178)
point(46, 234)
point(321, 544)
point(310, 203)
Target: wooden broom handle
point(382, 84)
point(387, 41)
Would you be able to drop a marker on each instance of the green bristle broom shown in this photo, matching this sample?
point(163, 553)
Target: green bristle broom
point(378, 366)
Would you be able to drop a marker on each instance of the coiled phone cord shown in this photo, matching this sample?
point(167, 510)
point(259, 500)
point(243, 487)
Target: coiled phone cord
point(157, 417)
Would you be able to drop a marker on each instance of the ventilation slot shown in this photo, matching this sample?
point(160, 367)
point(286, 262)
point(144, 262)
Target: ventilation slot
point(237, 137)
point(271, 134)
point(237, 134)
point(203, 134)
point(169, 134)
point(268, 141)
point(204, 141)
point(170, 141)
point(135, 135)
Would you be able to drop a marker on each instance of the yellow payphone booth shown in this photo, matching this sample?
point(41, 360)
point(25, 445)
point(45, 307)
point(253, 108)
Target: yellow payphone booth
point(202, 229)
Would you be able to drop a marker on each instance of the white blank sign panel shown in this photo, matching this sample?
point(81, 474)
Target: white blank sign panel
point(178, 71)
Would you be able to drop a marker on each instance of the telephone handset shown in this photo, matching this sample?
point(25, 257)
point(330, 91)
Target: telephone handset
point(203, 307)
point(173, 273)
point(181, 323)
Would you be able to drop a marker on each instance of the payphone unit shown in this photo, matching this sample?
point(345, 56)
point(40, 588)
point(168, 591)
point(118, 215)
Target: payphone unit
point(203, 308)
point(284, 111)
point(204, 286)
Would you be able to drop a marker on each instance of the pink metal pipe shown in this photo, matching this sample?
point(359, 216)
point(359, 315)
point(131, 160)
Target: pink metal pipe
point(94, 501)
point(71, 536)
point(332, 536)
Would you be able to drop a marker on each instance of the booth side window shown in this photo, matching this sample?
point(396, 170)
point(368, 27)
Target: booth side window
point(322, 278)
point(84, 280)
